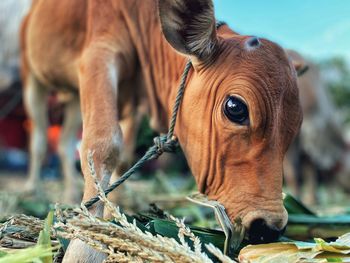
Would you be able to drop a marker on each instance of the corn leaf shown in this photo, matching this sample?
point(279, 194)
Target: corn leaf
point(290, 252)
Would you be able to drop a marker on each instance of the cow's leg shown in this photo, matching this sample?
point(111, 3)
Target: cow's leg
point(291, 168)
point(129, 126)
point(99, 74)
point(35, 101)
point(67, 149)
point(290, 177)
point(310, 183)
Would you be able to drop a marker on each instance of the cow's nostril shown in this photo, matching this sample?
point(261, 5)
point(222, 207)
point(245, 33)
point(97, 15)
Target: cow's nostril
point(260, 232)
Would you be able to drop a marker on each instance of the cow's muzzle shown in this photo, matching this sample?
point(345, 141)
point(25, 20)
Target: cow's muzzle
point(265, 225)
point(261, 232)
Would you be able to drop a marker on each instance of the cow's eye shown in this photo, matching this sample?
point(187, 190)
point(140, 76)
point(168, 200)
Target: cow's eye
point(236, 110)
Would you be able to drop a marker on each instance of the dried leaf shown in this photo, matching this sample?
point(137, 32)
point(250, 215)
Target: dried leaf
point(277, 252)
point(291, 252)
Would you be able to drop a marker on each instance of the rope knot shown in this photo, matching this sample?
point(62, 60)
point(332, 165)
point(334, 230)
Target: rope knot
point(163, 144)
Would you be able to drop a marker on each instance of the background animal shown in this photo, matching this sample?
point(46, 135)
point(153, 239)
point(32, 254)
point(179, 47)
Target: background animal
point(320, 151)
point(12, 13)
point(14, 126)
point(12, 116)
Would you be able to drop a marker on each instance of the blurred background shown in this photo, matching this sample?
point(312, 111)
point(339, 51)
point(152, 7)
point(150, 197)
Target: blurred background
point(317, 166)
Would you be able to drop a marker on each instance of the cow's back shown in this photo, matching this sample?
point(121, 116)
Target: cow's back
point(54, 35)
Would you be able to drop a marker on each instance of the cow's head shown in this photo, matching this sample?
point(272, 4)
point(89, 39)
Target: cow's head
point(239, 114)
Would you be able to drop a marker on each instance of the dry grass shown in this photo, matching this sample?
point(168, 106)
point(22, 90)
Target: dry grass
point(124, 241)
point(121, 241)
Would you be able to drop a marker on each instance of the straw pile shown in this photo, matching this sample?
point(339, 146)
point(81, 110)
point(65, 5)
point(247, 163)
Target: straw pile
point(124, 241)
point(120, 240)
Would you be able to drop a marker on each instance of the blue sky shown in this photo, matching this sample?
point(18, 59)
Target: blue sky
point(316, 28)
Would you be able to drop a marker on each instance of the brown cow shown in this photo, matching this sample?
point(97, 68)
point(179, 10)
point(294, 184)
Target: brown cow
point(239, 114)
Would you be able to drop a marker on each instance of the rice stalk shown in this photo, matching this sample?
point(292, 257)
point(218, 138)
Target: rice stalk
point(124, 241)
point(217, 253)
point(186, 231)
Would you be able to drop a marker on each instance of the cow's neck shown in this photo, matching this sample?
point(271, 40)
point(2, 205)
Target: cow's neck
point(161, 66)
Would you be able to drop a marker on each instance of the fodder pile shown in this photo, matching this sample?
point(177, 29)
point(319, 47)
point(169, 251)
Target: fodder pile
point(120, 239)
point(124, 239)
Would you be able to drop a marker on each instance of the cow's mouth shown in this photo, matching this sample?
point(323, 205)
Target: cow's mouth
point(265, 227)
point(260, 232)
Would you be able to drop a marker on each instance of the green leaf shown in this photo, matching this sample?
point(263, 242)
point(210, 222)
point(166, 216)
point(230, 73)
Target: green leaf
point(309, 219)
point(64, 243)
point(305, 224)
point(32, 254)
point(34, 207)
point(295, 207)
point(44, 239)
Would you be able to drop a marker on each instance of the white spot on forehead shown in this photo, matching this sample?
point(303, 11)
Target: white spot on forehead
point(252, 43)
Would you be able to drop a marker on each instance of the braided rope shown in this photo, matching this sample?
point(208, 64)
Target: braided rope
point(178, 99)
point(162, 143)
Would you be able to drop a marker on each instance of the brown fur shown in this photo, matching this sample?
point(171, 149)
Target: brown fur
point(115, 55)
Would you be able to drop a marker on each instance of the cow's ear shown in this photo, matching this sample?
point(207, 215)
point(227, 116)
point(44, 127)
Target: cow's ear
point(298, 62)
point(300, 68)
point(189, 26)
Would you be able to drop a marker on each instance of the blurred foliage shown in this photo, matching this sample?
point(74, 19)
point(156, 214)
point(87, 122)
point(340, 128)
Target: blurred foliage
point(145, 136)
point(338, 81)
